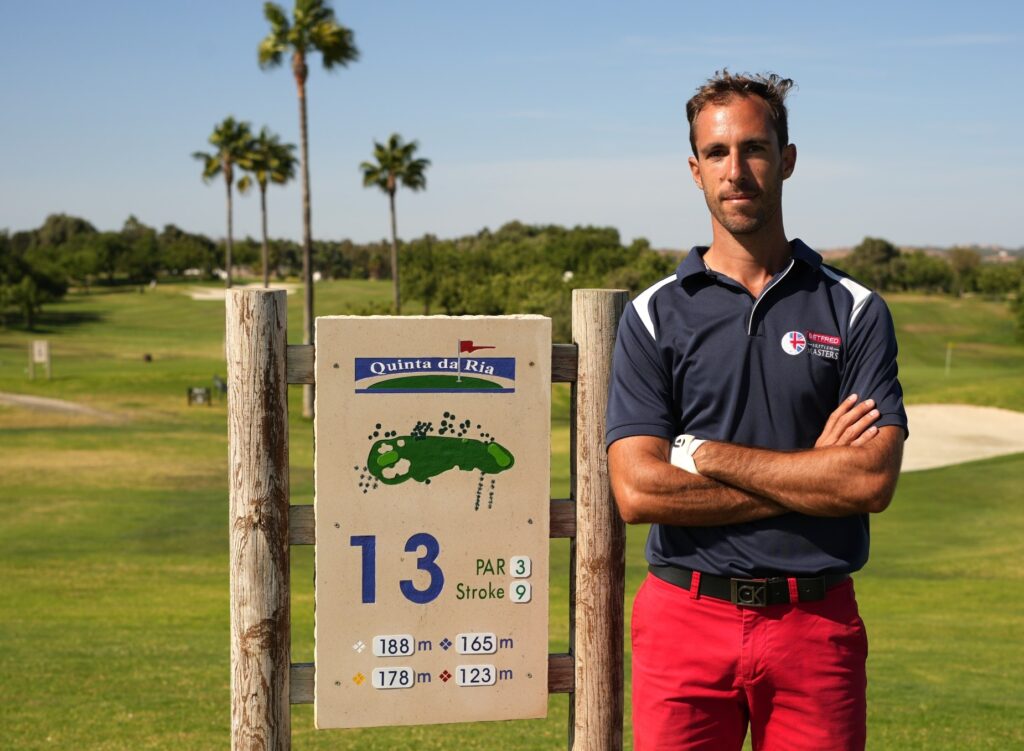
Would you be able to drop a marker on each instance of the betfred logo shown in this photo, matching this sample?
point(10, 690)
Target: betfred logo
point(817, 338)
point(793, 343)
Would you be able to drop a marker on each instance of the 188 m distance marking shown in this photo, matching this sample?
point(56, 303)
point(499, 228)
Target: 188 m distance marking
point(393, 645)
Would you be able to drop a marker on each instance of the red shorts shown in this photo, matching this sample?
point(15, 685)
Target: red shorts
point(704, 668)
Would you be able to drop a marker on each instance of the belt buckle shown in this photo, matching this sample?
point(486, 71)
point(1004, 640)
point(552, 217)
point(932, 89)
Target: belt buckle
point(749, 593)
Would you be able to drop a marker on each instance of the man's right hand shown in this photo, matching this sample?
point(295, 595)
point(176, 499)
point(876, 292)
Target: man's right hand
point(850, 424)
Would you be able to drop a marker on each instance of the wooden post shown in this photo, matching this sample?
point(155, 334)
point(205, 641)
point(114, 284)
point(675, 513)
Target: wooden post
point(259, 551)
point(599, 551)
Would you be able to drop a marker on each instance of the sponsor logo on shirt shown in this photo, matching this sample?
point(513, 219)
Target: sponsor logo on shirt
point(793, 342)
point(824, 345)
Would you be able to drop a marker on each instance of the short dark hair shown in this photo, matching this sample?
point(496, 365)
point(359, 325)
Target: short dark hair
point(723, 86)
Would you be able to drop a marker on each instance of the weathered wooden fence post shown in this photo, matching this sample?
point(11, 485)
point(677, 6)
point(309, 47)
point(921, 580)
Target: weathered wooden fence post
point(599, 550)
point(259, 549)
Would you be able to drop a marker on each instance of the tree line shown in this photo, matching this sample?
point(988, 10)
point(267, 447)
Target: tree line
point(957, 271)
point(882, 266)
point(518, 268)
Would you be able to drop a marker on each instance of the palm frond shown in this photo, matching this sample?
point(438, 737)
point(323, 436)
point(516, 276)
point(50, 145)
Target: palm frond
point(395, 163)
point(211, 164)
point(313, 27)
point(277, 18)
point(231, 137)
point(270, 52)
point(414, 177)
point(267, 159)
point(336, 44)
point(309, 13)
point(373, 176)
point(272, 48)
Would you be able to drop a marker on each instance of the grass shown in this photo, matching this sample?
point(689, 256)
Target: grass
point(986, 363)
point(113, 546)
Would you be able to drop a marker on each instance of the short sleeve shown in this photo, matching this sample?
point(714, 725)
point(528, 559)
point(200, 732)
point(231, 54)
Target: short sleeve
point(870, 370)
point(640, 396)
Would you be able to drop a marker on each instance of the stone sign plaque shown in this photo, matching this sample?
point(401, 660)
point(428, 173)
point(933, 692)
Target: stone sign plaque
point(432, 519)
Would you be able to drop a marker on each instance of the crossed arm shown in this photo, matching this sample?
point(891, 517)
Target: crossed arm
point(852, 469)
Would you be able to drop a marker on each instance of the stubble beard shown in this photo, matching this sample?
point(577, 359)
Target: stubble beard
point(738, 223)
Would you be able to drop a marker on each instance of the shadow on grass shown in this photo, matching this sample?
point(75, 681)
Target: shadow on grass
point(50, 321)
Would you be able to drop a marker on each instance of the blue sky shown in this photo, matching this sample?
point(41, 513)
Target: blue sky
point(907, 118)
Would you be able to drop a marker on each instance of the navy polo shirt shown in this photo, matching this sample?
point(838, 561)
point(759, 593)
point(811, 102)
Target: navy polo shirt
point(697, 354)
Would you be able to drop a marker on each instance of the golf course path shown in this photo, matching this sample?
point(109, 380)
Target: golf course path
point(45, 404)
point(945, 434)
point(213, 294)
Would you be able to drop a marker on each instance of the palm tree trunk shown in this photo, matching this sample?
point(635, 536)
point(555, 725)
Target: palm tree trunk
point(228, 248)
point(307, 240)
point(266, 254)
point(394, 254)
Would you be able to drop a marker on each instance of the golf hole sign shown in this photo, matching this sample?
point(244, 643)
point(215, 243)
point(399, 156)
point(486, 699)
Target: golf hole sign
point(432, 519)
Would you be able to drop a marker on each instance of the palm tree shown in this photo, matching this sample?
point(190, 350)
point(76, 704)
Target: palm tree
point(395, 164)
point(231, 140)
point(269, 161)
point(312, 28)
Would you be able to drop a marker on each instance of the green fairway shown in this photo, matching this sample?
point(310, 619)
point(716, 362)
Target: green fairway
point(986, 363)
point(435, 382)
point(114, 565)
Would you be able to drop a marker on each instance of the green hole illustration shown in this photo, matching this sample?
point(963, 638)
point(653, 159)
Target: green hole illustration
point(401, 458)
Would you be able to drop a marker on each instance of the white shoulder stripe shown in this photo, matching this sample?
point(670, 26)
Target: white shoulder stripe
point(860, 293)
point(643, 303)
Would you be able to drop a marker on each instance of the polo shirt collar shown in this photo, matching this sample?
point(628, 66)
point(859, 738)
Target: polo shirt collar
point(693, 264)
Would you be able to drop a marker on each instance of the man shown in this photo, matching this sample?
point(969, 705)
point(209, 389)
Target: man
point(755, 421)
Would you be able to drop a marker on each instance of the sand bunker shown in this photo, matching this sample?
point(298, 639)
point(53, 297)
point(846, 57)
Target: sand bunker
point(945, 434)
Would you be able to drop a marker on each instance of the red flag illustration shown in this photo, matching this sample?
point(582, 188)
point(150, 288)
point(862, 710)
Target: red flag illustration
point(468, 346)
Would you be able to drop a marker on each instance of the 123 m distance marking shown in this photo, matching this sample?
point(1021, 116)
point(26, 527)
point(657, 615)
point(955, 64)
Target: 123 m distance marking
point(475, 675)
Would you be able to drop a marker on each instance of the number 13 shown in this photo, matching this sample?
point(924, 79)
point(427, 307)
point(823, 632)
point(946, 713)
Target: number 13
point(426, 562)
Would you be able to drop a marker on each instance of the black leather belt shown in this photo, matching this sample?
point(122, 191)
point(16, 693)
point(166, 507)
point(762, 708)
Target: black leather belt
point(750, 593)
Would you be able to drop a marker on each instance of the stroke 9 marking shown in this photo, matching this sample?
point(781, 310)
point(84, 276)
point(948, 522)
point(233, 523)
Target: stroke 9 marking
point(520, 591)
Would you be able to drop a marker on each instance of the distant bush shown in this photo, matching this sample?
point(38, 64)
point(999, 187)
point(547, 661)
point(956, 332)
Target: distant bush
point(27, 281)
